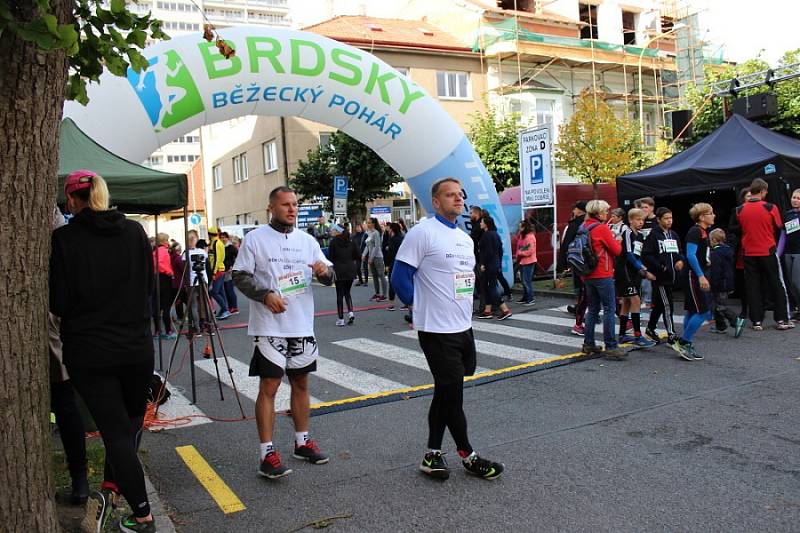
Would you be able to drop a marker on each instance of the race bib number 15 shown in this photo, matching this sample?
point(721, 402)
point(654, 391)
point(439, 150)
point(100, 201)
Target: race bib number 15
point(292, 284)
point(464, 285)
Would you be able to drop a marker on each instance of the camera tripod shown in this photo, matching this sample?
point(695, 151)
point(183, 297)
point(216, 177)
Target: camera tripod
point(199, 320)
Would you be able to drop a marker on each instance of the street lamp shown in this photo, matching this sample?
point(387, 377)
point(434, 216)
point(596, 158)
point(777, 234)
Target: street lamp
point(650, 41)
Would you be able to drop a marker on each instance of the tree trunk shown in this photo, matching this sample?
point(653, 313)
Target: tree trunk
point(595, 190)
point(33, 87)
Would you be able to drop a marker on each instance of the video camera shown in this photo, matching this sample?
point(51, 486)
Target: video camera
point(198, 262)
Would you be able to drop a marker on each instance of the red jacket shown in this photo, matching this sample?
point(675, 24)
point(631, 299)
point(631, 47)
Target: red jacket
point(162, 261)
point(605, 247)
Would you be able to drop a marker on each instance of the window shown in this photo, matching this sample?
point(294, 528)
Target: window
point(154, 161)
point(240, 168)
point(588, 15)
point(402, 70)
point(325, 139)
point(452, 84)
point(544, 111)
point(629, 27)
point(217, 171)
point(270, 156)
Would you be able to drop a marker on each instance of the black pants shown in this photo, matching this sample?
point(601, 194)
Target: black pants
point(392, 294)
point(722, 312)
point(116, 399)
point(363, 272)
point(450, 356)
point(70, 427)
point(663, 304)
point(165, 302)
point(343, 287)
point(741, 291)
point(765, 275)
point(489, 289)
point(504, 283)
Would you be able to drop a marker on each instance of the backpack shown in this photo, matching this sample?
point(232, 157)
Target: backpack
point(156, 391)
point(580, 254)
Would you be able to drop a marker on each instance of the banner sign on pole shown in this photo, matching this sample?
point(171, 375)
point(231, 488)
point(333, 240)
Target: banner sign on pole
point(340, 207)
point(382, 212)
point(340, 184)
point(535, 168)
point(307, 215)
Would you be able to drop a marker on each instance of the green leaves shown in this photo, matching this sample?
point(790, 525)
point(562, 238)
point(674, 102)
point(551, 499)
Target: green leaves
point(495, 140)
point(94, 39)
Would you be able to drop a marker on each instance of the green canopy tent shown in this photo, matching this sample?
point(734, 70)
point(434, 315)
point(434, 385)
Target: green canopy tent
point(133, 188)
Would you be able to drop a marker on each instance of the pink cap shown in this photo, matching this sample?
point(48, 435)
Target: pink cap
point(77, 180)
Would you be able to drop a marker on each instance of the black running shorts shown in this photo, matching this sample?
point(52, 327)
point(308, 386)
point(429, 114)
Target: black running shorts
point(697, 300)
point(450, 356)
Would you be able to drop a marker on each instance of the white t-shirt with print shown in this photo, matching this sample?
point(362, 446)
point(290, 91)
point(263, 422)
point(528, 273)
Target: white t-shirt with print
point(279, 261)
point(444, 258)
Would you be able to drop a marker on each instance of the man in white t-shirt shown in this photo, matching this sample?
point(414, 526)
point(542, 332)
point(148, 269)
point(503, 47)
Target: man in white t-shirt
point(274, 269)
point(434, 271)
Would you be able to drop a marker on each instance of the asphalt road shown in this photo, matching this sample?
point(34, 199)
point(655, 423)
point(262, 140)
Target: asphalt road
point(652, 443)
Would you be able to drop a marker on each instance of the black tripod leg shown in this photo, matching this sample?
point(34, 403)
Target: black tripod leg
point(230, 373)
point(172, 359)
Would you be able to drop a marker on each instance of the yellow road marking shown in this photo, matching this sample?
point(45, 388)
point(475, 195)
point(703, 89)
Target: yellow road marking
point(218, 489)
point(418, 388)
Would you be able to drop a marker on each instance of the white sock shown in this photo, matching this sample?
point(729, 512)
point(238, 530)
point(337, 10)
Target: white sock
point(301, 437)
point(266, 447)
point(470, 457)
point(431, 450)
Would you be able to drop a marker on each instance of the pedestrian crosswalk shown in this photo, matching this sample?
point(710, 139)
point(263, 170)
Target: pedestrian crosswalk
point(358, 365)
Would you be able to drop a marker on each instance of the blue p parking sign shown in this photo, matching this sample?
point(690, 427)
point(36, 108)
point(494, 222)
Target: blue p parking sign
point(537, 169)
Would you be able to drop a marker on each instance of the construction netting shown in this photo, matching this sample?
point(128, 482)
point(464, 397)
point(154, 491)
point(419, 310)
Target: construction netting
point(510, 30)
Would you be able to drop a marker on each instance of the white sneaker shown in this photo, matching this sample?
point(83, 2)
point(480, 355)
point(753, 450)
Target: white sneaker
point(340, 322)
point(351, 317)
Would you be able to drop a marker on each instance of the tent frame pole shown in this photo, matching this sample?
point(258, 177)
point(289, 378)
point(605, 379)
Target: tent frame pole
point(158, 300)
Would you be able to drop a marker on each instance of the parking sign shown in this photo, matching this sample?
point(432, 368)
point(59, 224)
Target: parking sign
point(536, 176)
point(340, 184)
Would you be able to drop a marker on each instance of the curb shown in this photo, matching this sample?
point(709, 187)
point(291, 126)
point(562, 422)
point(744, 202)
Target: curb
point(164, 523)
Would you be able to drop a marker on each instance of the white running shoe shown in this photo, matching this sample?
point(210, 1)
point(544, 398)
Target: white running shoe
point(340, 322)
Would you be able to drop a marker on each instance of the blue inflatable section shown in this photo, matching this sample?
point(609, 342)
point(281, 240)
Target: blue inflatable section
point(465, 165)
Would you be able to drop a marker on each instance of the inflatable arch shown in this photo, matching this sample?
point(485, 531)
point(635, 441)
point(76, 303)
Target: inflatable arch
point(281, 72)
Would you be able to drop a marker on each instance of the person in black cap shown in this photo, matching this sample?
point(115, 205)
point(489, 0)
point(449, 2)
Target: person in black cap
point(578, 216)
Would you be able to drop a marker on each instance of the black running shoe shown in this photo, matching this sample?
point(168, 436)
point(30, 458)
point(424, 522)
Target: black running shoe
point(478, 466)
point(130, 525)
point(98, 511)
point(652, 335)
point(272, 468)
point(310, 452)
point(434, 465)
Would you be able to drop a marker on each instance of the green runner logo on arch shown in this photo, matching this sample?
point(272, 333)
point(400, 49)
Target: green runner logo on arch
point(167, 91)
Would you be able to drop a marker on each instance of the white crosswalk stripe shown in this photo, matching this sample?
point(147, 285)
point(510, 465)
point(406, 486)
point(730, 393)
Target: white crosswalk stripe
point(390, 352)
point(503, 351)
point(353, 378)
point(248, 386)
point(527, 334)
point(178, 407)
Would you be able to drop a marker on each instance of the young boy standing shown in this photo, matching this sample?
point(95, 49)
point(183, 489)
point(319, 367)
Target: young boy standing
point(629, 273)
point(722, 283)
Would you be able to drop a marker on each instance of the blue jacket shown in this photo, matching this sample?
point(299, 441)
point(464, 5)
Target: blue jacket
point(722, 268)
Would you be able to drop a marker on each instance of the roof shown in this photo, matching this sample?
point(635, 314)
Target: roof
point(391, 32)
point(132, 188)
point(732, 155)
point(542, 14)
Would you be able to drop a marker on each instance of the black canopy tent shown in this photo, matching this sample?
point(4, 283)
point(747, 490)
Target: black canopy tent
point(132, 188)
point(715, 169)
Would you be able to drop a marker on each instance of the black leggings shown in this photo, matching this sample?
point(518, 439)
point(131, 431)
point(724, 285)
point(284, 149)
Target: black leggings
point(343, 287)
point(116, 399)
point(165, 303)
point(447, 412)
point(70, 427)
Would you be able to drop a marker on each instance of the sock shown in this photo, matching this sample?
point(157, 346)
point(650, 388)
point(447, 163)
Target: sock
point(623, 324)
point(636, 318)
point(467, 457)
point(301, 437)
point(266, 447)
point(431, 450)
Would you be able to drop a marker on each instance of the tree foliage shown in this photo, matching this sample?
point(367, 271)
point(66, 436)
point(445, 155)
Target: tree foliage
point(370, 176)
point(597, 147)
point(495, 138)
point(97, 38)
point(709, 112)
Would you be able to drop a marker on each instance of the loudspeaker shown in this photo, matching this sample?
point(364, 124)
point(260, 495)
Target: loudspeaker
point(756, 105)
point(679, 121)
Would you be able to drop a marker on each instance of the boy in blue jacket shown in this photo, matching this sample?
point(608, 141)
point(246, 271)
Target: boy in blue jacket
point(722, 283)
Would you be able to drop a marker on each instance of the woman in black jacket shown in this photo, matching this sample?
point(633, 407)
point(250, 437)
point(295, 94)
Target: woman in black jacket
point(345, 256)
point(490, 256)
point(396, 234)
point(101, 279)
point(359, 237)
